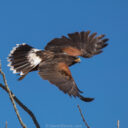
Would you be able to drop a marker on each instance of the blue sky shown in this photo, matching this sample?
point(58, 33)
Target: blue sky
point(103, 77)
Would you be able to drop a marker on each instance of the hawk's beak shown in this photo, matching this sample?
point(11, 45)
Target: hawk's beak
point(77, 60)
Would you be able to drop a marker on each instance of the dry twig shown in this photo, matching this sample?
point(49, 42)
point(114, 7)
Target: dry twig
point(85, 122)
point(23, 107)
point(6, 124)
point(118, 123)
point(11, 97)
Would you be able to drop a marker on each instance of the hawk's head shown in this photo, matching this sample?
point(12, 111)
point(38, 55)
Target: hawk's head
point(71, 60)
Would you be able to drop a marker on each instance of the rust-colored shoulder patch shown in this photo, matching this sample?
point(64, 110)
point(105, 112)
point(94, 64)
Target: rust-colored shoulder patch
point(72, 51)
point(64, 68)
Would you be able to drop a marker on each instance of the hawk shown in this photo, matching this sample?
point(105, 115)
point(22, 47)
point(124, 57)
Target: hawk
point(54, 61)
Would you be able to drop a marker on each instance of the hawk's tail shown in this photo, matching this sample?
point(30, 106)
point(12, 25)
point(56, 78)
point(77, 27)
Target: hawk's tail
point(23, 59)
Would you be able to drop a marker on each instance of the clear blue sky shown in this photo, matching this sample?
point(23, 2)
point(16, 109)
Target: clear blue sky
point(104, 76)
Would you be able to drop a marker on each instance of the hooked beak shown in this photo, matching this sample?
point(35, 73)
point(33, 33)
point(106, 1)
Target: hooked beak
point(77, 60)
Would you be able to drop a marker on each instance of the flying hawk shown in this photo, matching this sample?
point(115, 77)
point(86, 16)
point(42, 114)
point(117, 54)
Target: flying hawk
point(54, 61)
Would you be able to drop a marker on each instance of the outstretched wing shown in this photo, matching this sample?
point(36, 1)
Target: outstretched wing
point(60, 75)
point(78, 44)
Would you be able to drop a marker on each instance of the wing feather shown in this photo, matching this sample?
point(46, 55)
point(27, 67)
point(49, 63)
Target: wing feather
point(60, 75)
point(87, 45)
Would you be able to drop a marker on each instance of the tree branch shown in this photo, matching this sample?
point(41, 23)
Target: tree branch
point(86, 124)
point(118, 123)
point(11, 98)
point(23, 107)
point(6, 124)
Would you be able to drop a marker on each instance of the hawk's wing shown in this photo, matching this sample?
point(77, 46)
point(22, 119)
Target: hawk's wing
point(60, 75)
point(78, 44)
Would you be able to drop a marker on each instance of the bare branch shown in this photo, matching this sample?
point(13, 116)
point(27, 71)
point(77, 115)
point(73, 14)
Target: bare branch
point(86, 124)
point(11, 98)
point(6, 124)
point(23, 107)
point(118, 123)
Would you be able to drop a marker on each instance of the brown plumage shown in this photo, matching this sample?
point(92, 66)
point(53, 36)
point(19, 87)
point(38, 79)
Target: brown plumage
point(78, 44)
point(53, 63)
